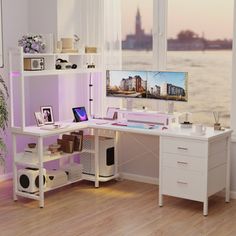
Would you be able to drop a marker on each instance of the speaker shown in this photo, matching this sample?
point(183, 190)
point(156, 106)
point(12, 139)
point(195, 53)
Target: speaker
point(28, 180)
point(32, 64)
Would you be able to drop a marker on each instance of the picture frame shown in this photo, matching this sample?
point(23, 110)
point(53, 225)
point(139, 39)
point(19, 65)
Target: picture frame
point(47, 114)
point(39, 118)
point(112, 113)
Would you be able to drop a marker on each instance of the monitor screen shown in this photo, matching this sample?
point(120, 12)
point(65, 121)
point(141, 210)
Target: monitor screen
point(163, 85)
point(80, 114)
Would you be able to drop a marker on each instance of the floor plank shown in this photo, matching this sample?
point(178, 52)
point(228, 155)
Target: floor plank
point(124, 208)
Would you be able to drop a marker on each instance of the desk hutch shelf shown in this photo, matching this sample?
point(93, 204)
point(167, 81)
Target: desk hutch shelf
point(38, 160)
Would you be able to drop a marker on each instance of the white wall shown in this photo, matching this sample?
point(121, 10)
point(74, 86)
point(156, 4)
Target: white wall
point(233, 167)
point(73, 18)
point(43, 16)
point(43, 91)
point(15, 21)
point(138, 155)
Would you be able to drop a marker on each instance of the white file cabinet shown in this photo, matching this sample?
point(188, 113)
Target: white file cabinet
point(193, 169)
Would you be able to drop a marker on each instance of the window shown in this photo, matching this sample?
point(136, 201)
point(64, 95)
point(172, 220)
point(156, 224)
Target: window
point(137, 38)
point(136, 27)
point(200, 42)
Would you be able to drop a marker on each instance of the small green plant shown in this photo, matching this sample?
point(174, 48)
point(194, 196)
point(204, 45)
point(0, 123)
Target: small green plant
point(4, 95)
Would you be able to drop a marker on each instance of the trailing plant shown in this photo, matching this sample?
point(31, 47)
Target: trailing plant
point(4, 95)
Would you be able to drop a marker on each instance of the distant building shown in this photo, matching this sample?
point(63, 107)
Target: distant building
point(179, 45)
point(171, 90)
point(139, 40)
point(156, 90)
point(135, 83)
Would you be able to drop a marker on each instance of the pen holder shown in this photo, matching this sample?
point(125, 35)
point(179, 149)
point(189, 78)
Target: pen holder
point(217, 126)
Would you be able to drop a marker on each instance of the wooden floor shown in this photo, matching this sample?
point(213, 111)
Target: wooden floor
point(115, 209)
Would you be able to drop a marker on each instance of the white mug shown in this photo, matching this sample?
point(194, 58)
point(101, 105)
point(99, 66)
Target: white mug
point(200, 129)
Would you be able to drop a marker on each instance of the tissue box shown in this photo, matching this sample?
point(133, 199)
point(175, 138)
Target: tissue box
point(56, 178)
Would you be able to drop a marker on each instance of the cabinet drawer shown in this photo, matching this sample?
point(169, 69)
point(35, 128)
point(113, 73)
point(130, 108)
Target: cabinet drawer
point(183, 184)
point(183, 162)
point(184, 146)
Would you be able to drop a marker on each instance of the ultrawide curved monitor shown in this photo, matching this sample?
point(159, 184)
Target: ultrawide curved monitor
point(164, 85)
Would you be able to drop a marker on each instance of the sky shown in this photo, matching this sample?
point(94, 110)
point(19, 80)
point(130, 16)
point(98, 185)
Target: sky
point(175, 78)
point(213, 18)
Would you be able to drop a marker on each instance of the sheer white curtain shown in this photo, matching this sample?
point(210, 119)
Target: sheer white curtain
point(112, 34)
point(97, 23)
point(112, 51)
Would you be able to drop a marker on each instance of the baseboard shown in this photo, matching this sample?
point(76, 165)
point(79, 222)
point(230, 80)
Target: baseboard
point(5, 177)
point(151, 180)
point(140, 178)
point(233, 194)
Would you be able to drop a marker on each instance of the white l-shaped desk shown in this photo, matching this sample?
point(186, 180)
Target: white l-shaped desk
point(191, 166)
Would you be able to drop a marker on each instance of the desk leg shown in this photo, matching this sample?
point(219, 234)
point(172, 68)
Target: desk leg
point(227, 188)
point(159, 140)
point(116, 153)
point(14, 168)
point(160, 199)
point(41, 190)
point(205, 207)
point(96, 158)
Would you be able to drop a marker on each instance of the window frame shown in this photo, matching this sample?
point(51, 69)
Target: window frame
point(233, 79)
point(160, 13)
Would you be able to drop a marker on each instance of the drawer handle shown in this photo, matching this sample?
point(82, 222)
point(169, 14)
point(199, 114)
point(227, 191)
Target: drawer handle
point(181, 182)
point(182, 162)
point(182, 148)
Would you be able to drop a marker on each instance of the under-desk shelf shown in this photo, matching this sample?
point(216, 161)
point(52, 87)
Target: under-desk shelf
point(100, 178)
point(47, 189)
point(35, 196)
point(29, 160)
point(59, 72)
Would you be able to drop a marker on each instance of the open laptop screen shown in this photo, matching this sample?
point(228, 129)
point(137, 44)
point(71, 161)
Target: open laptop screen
point(80, 114)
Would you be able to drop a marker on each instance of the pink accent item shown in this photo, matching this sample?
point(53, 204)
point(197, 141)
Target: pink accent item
point(15, 74)
point(162, 119)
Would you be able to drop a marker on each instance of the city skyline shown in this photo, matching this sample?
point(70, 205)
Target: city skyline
point(152, 77)
point(215, 22)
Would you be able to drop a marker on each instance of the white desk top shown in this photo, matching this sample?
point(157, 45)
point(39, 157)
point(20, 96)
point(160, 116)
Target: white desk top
point(173, 131)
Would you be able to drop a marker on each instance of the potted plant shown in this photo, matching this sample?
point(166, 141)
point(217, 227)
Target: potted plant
point(3, 118)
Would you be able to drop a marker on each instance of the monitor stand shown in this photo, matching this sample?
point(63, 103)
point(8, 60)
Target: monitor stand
point(129, 104)
point(166, 107)
point(170, 107)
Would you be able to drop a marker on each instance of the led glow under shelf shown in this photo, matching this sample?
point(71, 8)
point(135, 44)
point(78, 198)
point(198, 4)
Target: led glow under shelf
point(60, 72)
point(35, 55)
point(33, 161)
